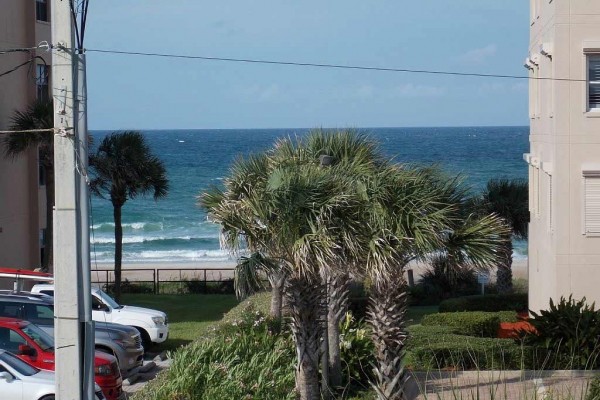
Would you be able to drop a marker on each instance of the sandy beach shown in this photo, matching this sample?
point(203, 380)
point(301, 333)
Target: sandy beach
point(216, 271)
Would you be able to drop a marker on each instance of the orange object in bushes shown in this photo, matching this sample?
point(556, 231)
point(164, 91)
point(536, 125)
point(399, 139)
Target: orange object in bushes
point(510, 330)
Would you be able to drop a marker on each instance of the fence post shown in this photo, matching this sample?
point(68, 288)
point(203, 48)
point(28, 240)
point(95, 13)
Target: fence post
point(158, 281)
point(205, 284)
point(154, 280)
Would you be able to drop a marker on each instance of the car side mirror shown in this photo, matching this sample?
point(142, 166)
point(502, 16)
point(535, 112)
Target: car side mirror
point(6, 376)
point(25, 350)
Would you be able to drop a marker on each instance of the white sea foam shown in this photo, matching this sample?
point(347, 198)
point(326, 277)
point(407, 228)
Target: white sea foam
point(146, 239)
point(166, 256)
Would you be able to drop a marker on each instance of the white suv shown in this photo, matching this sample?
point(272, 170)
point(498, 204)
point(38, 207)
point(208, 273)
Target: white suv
point(152, 324)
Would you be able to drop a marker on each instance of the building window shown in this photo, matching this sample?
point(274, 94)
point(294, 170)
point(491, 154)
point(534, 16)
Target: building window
point(591, 199)
point(593, 82)
point(41, 10)
point(550, 209)
point(41, 81)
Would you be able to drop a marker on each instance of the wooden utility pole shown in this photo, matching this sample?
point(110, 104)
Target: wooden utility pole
point(72, 363)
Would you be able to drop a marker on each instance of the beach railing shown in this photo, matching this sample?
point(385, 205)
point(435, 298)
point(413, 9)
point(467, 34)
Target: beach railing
point(168, 280)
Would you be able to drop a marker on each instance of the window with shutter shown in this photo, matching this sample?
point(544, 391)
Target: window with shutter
point(594, 82)
point(550, 210)
point(591, 207)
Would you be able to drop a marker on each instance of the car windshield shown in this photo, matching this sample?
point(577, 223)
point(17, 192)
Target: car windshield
point(108, 300)
point(41, 338)
point(18, 365)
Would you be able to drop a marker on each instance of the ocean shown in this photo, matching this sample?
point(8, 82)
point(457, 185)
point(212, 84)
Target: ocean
point(175, 229)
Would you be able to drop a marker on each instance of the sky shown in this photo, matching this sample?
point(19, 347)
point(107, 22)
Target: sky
point(134, 92)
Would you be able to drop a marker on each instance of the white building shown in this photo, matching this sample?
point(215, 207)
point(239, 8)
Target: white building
point(564, 158)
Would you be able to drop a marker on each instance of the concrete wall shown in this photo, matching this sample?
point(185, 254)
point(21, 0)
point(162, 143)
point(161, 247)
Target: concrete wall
point(22, 200)
point(564, 139)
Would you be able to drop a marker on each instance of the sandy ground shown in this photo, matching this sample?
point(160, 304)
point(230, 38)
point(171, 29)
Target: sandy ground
point(217, 271)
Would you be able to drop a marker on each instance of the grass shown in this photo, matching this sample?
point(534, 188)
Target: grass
point(415, 314)
point(189, 314)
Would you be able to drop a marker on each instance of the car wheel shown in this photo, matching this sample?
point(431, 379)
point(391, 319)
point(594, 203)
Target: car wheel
point(146, 342)
point(51, 397)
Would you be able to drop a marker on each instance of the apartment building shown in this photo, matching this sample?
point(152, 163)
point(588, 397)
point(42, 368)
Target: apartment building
point(564, 157)
point(23, 24)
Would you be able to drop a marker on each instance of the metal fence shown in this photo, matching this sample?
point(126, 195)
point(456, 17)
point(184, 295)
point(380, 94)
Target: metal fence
point(167, 280)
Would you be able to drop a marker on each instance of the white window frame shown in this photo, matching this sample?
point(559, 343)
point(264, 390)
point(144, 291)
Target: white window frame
point(590, 182)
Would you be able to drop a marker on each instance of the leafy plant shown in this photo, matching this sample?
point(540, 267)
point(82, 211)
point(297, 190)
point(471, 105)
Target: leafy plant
point(356, 350)
point(490, 303)
point(593, 389)
point(570, 331)
point(476, 324)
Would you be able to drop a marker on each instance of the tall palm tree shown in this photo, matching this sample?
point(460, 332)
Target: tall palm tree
point(124, 168)
point(509, 199)
point(418, 210)
point(38, 115)
point(287, 204)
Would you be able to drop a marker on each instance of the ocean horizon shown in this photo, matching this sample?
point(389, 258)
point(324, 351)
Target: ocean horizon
point(176, 230)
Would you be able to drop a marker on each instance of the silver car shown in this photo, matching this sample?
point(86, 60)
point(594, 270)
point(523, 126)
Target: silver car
point(21, 381)
point(123, 342)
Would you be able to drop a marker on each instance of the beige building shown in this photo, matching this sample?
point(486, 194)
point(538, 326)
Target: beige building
point(564, 158)
point(23, 24)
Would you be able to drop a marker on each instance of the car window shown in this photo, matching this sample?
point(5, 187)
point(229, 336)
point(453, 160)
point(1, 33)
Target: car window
point(10, 340)
point(20, 366)
point(39, 314)
point(45, 341)
point(47, 292)
point(12, 310)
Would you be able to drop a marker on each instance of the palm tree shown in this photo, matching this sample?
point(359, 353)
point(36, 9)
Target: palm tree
point(123, 168)
point(509, 199)
point(286, 204)
point(418, 210)
point(38, 115)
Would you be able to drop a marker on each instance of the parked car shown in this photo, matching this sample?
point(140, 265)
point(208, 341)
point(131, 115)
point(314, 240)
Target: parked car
point(123, 342)
point(153, 325)
point(34, 346)
point(21, 381)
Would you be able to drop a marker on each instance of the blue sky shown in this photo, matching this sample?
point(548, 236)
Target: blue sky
point(132, 92)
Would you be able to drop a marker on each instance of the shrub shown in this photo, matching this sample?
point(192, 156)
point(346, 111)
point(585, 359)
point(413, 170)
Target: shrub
point(200, 286)
point(593, 389)
point(356, 350)
point(131, 287)
point(436, 347)
point(466, 323)
point(490, 303)
point(570, 332)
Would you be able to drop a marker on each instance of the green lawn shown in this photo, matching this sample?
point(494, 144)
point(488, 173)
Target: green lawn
point(414, 315)
point(189, 314)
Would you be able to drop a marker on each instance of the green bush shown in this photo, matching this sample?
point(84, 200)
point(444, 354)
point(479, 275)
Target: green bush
point(476, 324)
point(593, 392)
point(246, 363)
point(570, 331)
point(490, 303)
point(357, 351)
point(431, 348)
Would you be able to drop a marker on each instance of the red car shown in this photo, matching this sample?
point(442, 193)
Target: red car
point(36, 347)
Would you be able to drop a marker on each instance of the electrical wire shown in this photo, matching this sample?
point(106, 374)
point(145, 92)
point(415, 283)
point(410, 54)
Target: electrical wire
point(325, 65)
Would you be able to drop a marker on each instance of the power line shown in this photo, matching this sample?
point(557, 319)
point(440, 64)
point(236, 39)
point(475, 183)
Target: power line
point(15, 68)
point(325, 65)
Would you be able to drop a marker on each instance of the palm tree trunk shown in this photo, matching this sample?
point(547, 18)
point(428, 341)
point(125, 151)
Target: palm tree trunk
point(47, 262)
point(277, 281)
point(305, 304)
point(504, 272)
point(338, 287)
point(386, 315)
point(118, 250)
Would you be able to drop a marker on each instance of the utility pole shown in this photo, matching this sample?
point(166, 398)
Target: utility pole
point(73, 365)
